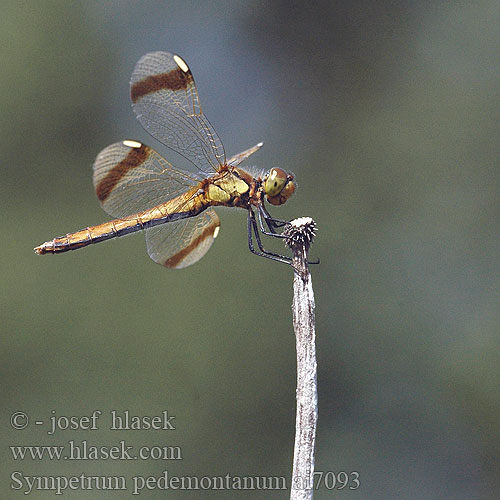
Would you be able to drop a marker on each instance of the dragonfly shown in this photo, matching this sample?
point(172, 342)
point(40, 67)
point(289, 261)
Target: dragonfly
point(175, 207)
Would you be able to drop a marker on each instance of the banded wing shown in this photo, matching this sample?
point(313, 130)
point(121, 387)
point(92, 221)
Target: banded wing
point(181, 243)
point(166, 103)
point(130, 177)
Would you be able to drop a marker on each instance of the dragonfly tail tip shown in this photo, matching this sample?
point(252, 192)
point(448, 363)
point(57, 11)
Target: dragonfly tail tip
point(40, 250)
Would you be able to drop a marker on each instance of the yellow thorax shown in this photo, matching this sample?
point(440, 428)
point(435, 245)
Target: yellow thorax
point(226, 187)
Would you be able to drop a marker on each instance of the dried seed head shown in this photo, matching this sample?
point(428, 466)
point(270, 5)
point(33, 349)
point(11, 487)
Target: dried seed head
point(300, 233)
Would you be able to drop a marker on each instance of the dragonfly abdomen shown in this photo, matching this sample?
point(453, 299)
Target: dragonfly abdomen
point(89, 235)
point(120, 227)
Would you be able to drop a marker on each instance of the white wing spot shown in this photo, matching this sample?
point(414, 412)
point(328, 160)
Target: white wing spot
point(132, 144)
point(216, 232)
point(180, 62)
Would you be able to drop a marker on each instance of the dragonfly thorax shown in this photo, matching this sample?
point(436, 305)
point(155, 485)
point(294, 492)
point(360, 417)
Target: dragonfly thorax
point(227, 187)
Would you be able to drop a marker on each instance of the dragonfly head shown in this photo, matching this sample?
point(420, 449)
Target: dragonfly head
point(278, 186)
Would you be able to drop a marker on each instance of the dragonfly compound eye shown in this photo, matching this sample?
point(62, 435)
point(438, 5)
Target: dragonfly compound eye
point(278, 186)
point(275, 182)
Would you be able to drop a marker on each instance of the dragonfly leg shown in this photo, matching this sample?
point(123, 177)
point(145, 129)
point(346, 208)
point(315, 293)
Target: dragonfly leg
point(262, 214)
point(271, 222)
point(254, 230)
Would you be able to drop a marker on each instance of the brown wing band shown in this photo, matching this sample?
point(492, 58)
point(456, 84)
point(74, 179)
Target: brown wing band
point(135, 157)
point(173, 80)
point(174, 261)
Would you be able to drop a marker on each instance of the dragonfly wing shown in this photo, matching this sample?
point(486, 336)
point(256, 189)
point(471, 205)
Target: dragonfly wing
point(181, 243)
point(235, 160)
point(166, 102)
point(130, 177)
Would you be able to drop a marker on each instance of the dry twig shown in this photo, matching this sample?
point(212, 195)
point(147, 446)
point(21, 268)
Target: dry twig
point(299, 234)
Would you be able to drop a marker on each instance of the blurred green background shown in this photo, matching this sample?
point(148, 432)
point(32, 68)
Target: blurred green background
point(388, 113)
